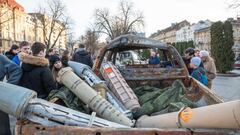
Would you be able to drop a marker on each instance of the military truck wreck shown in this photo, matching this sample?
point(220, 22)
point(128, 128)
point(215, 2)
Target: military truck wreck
point(139, 98)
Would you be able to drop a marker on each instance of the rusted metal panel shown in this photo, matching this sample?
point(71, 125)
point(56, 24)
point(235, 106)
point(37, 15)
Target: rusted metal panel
point(211, 96)
point(149, 73)
point(69, 130)
point(128, 41)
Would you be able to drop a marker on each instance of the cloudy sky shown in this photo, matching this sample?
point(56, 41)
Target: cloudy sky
point(158, 14)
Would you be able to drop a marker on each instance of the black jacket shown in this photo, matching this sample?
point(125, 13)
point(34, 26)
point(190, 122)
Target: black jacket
point(84, 57)
point(9, 69)
point(37, 76)
point(10, 55)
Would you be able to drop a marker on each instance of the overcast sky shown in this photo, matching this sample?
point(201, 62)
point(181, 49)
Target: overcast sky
point(158, 14)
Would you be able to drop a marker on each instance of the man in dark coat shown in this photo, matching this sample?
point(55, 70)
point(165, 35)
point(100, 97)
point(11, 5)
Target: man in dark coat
point(82, 56)
point(36, 73)
point(13, 73)
point(154, 59)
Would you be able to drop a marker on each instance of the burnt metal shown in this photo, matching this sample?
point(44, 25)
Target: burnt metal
point(63, 130)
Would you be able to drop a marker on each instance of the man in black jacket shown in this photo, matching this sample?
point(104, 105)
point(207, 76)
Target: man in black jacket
point(82, 56)
point(36, 73)
point(13, 73)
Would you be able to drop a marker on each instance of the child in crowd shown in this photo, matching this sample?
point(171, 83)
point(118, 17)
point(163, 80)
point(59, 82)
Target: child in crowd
point(198, 72)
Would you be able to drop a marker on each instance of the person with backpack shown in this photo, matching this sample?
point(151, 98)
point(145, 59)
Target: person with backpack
point(198, 72)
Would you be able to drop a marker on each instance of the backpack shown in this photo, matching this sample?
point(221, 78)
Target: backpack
point(204, 79)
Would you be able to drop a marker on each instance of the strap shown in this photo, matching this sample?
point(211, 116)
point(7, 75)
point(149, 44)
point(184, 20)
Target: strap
point(178, 121)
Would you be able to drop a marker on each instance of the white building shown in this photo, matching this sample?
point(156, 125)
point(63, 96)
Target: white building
point(202, 25)
point(185, 33)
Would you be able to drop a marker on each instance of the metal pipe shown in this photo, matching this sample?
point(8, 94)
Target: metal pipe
point(95, 82)
point(90, 97)
point(14, 99)
point(224, 115)
point(22, 103)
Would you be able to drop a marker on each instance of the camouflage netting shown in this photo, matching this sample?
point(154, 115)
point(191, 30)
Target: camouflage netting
point(69, 99)
point(165, 100)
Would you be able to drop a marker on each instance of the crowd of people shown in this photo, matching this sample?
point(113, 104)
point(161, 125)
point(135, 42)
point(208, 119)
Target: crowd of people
point(200, 66)
point(28, 66)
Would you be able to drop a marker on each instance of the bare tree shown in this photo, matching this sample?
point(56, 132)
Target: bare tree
point(71, 42)
point(91, 41)
point(127, 21)
point(234, 4)
point(54, 21)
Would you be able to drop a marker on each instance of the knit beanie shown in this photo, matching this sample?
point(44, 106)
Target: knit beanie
point(53, 59)
point(204, 53)
point(196, 61)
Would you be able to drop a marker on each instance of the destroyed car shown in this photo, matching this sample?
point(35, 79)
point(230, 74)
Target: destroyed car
point(136, 75)
point(171, 67)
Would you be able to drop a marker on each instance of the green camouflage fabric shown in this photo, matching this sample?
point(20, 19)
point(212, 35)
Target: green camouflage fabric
point(165, 100)
point(69, 99)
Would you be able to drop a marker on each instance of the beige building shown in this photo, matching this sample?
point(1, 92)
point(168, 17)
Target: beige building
point(11, 23)
point(202, 39)
point(168, 35)
point(236, 35)
point(16, 25)
point(44, 31)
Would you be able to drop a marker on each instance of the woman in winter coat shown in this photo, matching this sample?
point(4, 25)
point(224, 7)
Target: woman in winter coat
point(209, 66)
point(36, 73)
point(57, 66)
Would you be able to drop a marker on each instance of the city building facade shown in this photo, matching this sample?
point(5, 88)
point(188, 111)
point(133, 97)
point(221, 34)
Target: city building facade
point(202, 35)
point(236, 35)
point(185, 34)
point(168, 35)
point(16, 26)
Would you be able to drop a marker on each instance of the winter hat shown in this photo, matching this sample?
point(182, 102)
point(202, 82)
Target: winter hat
point(196, 61)
point(37, 47)
point(204, 53)
point(54, 59)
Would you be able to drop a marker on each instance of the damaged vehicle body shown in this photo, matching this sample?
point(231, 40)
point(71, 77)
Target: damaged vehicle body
point(123, 65)
point(171, 67)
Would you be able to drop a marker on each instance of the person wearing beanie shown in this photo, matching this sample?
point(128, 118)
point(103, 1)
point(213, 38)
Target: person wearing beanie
point(52, 59)
point(57, 66)
point(36, 74)
point(12, 52)
point(198, 72)
point(209, 66)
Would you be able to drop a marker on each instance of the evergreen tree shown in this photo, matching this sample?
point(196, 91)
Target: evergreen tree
point(228, 44)
point(182, 46)
point(221, 46)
